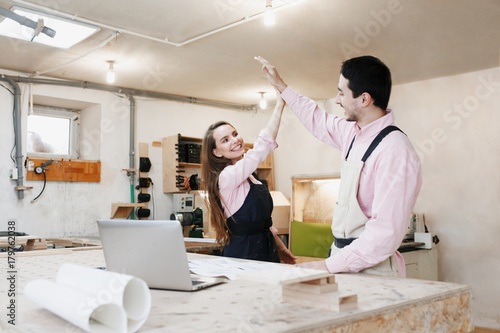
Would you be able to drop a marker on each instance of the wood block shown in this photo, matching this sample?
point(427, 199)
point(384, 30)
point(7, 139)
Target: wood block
point(19, 240)
point(18, 188)
point(156, 144)
point(317, 281)
point(123, 210)
point(302, 259)
point(281, 212)
point(68, 242)
point(36, 244)
point(312, 288)
point(333, 301)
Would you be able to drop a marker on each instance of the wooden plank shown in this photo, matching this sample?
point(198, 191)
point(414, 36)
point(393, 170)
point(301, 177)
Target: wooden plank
point(199, 247)
point(322, 281)
point(312, 288)
point(191, 139)
point(36, 244)
point(68, 242)
point(19, 240)
point(66, 170)
point(143, 149)
point(60, 251)
point(123, 210)
point(169, 156)
point(39, 253)
point(18, 188)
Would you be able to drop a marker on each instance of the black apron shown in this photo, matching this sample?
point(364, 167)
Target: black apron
point(249, 228)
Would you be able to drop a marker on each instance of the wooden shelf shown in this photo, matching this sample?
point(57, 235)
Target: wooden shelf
point(190, 165)
point(123, 210)
point(65, 170)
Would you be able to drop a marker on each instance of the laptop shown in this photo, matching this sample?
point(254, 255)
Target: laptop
point(152, 250)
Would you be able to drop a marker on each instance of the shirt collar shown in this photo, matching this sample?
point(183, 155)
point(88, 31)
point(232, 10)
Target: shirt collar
point(376, 126)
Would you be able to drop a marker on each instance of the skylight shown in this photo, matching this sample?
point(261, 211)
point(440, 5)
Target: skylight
point(68, 33)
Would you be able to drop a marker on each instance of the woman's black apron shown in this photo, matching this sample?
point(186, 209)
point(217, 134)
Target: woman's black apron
point(249, 228)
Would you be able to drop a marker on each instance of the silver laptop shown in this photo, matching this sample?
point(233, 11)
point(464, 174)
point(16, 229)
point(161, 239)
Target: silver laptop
point(151, 250)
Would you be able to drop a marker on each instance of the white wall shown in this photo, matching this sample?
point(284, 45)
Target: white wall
point(71, 208)
point(453, 122)
point(460, 154)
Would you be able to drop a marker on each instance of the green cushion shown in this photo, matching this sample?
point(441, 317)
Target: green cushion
point(311, 239)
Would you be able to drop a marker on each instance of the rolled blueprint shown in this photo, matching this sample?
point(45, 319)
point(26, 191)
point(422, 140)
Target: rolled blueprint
point(94, 300)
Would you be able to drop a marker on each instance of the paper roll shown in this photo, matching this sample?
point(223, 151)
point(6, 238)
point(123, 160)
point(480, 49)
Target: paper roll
point(93, 299)
point(76, 307)
point(127, 291)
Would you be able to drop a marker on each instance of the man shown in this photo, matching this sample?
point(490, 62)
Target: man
point(380, 174)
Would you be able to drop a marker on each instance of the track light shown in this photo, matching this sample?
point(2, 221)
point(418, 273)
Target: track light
point(269, 18)
point(110, 76)
point(262, 102)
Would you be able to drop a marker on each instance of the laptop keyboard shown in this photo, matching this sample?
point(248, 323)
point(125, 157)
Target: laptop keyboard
point(196, 282)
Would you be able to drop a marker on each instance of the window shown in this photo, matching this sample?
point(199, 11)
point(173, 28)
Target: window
point(53, 132)
point(67, 32)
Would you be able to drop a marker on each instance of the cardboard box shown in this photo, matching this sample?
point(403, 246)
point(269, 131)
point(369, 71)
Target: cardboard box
point(281, 212)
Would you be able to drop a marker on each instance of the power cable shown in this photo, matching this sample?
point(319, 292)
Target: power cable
point(43, 188)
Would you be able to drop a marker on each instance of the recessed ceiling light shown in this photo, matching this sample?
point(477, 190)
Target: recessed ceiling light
point(68, 33)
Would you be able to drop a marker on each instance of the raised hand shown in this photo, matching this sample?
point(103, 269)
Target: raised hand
point(272, 74)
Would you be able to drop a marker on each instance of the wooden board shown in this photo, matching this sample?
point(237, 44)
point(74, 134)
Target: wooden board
point(22, 240)
point(122, 210)
point(65, 170)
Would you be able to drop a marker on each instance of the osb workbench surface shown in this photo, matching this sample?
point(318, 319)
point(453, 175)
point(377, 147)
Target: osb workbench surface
point(384, 304)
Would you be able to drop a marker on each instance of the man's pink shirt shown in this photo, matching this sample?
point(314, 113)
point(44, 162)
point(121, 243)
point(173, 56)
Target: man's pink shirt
point(388, 188)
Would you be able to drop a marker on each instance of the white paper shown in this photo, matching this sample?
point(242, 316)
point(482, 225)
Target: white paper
point(226, 267)
point(93, 299)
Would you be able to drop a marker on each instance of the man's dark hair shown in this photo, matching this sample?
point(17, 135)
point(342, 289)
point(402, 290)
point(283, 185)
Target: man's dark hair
point(368, 74)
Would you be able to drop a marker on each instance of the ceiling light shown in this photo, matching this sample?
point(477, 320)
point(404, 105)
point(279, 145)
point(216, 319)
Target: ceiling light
point(110, 75)
point(269, 18)
point(262, 102)
point(68, 33)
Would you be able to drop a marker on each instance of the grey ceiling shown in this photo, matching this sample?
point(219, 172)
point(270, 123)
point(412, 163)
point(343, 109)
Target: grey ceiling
point(417, 39)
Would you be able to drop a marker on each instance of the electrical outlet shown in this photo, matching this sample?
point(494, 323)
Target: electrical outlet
point(13, 173)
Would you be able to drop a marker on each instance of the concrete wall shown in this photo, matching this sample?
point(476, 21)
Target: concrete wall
point(452, 122)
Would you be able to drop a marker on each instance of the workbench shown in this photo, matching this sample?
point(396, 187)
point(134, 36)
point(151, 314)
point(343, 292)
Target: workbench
point(384, 304)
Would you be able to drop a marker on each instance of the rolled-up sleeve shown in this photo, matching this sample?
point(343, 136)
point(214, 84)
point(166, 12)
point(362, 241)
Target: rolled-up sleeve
point(233, 184)
point(326, 127)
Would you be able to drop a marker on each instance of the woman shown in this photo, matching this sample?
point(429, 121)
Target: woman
point(240, 206)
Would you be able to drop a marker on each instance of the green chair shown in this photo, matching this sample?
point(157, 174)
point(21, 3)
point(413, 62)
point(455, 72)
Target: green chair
point(310, 239)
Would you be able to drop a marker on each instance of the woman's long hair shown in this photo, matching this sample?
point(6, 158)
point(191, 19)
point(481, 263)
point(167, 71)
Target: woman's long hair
point(211, 167)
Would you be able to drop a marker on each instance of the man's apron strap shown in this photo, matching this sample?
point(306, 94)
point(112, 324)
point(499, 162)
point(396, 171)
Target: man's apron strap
point(343, 242)
point(383, 133)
